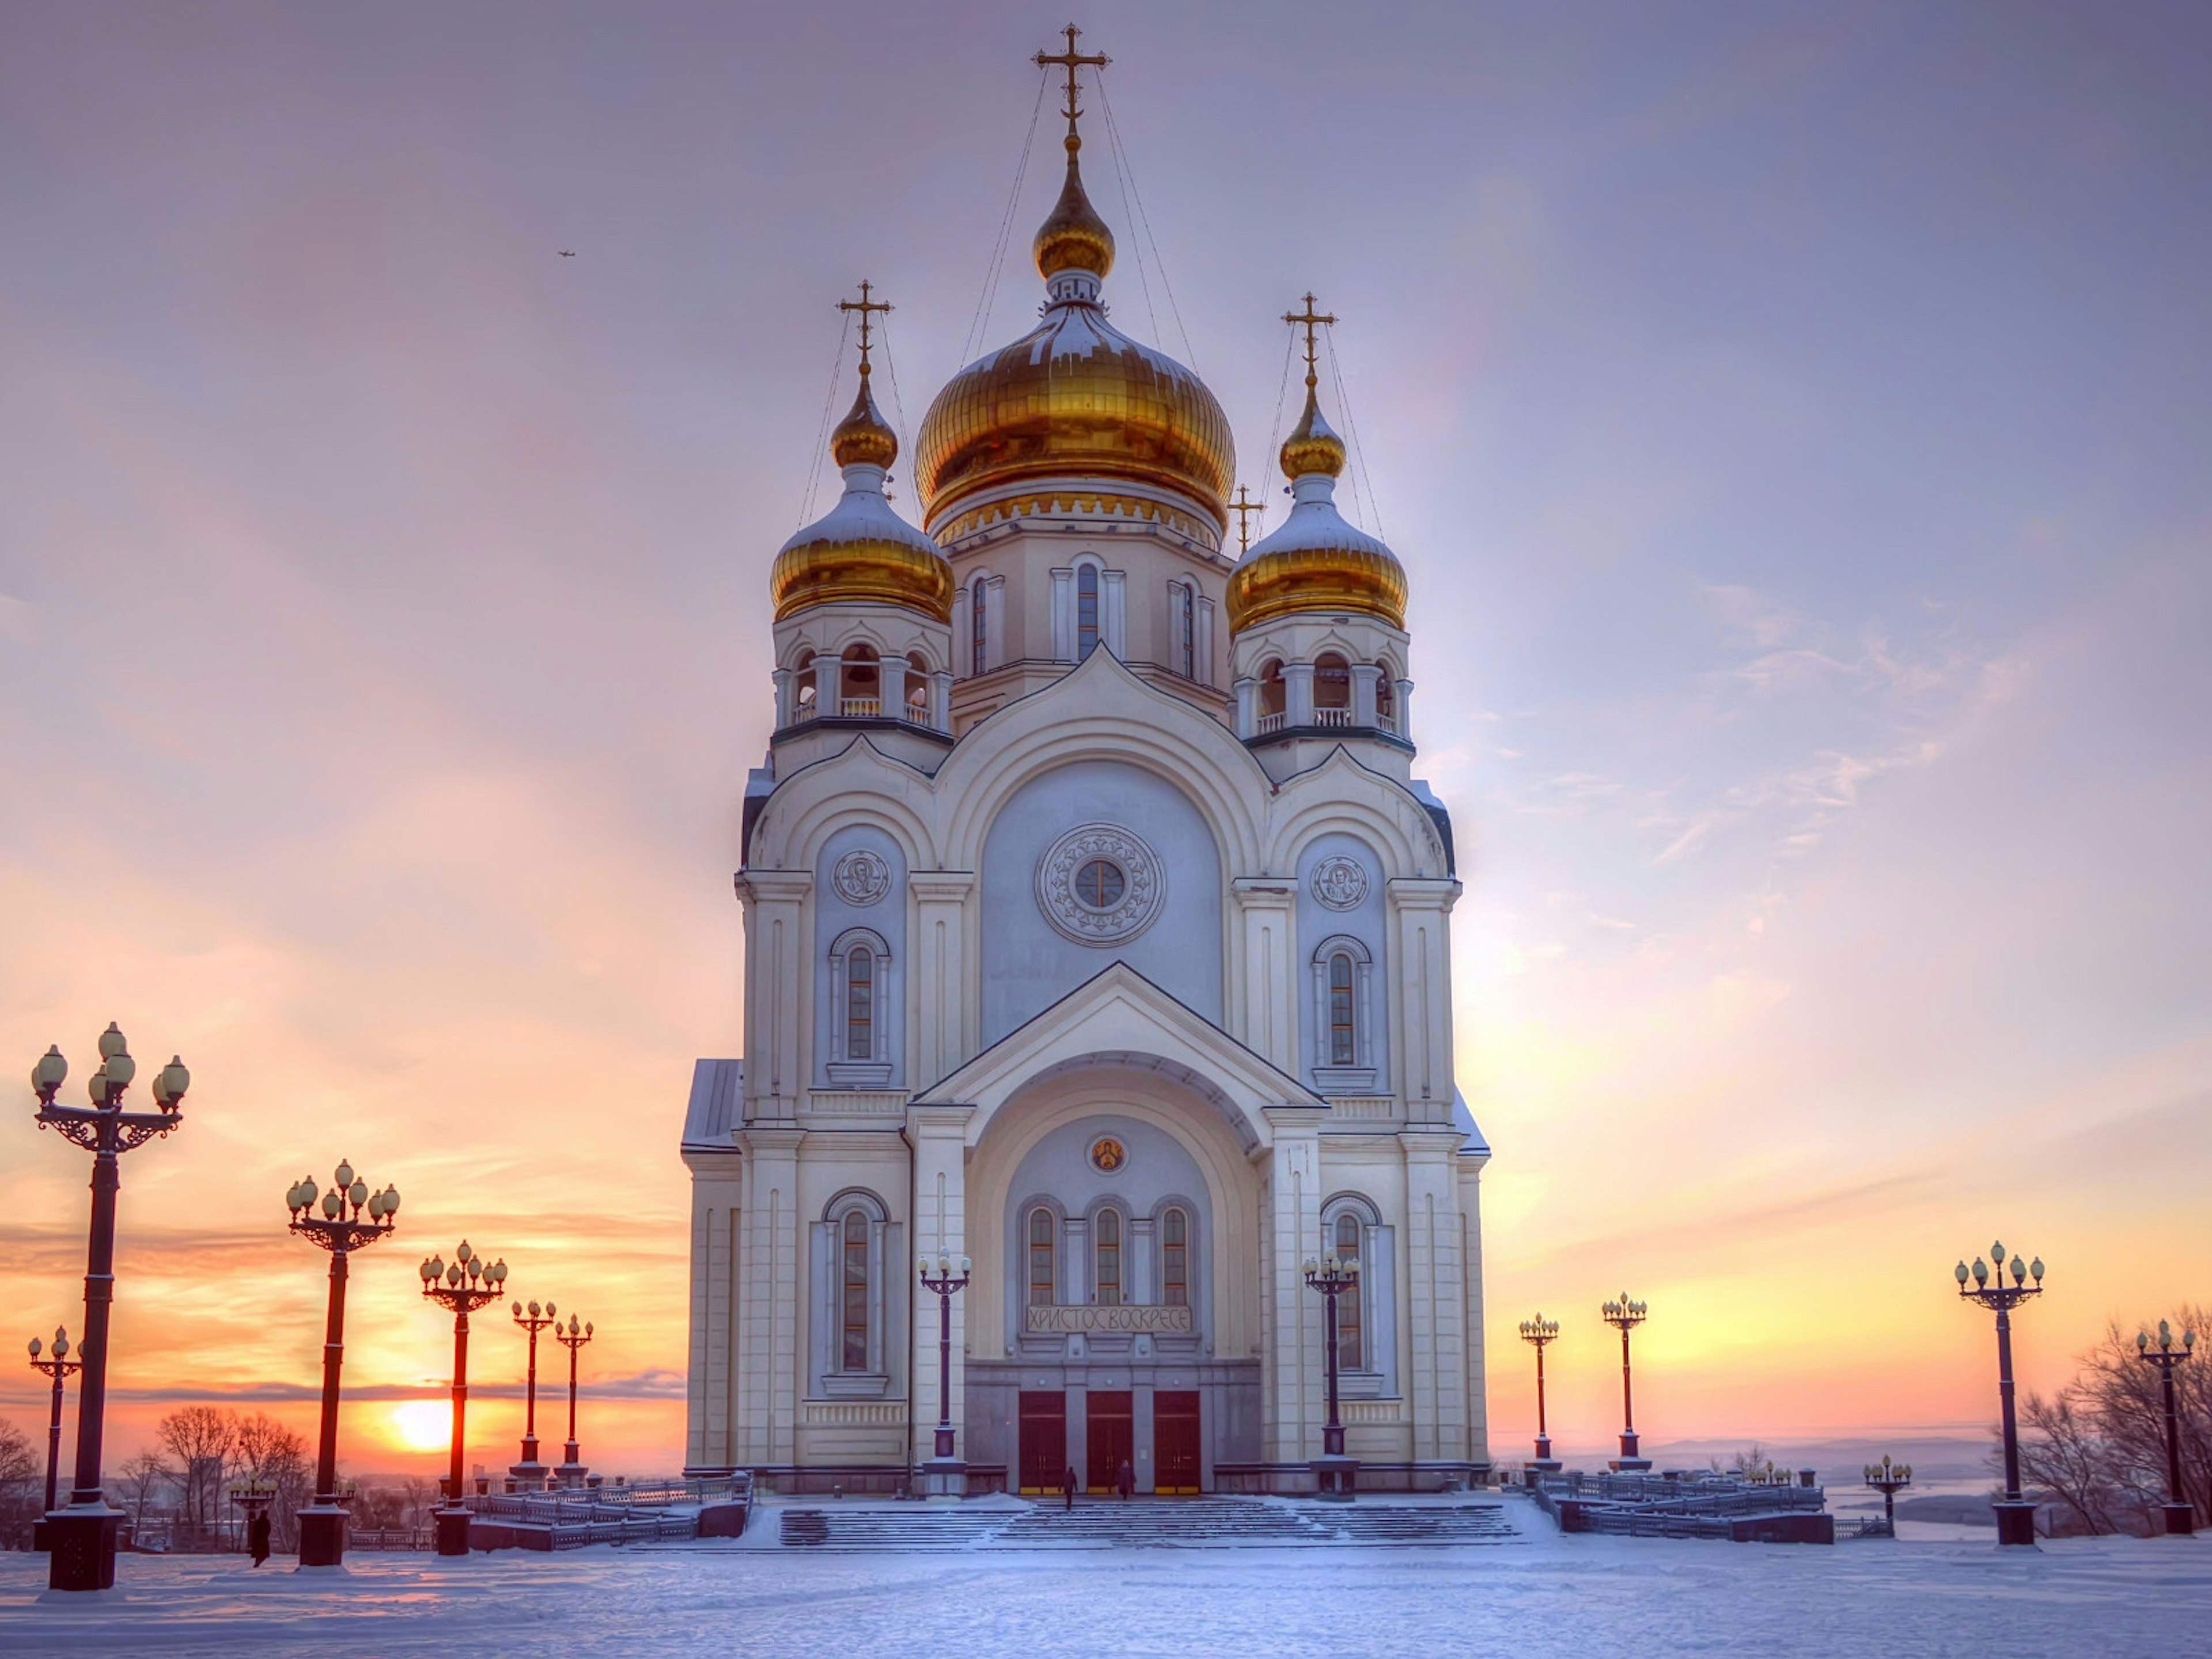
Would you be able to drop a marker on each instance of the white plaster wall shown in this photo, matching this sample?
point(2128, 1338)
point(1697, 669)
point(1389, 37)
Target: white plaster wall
point(1369, 922)
point(833, 916)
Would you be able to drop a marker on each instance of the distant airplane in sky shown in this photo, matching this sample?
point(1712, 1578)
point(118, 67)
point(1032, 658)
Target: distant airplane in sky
point(566, 254)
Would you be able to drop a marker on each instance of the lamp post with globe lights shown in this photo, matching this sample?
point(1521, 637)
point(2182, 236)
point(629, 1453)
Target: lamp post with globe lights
point(1889, 1479)
point(82, 1537)
point(1625, 1316)
point(469, 1283)
point(530, 1474)
point(1539, 1334)
point(945, 1475)
point(58, 1365)
point(571, 1471)
point(341, 1229)
point(2180, 1513)
point(2015, 1514)
point(1335, 1476)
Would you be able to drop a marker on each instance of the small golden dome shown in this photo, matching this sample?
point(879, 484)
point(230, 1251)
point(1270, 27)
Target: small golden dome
point(1316, 561)
point(1073, 237)
point(864, 435)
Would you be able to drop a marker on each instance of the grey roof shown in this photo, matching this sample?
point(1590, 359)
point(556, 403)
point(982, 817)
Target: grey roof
point(718, 1096)
point(1463, 1118)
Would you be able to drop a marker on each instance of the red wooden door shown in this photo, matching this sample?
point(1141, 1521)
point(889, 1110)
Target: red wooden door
point(1175, 1440)
point(1110, 1436)
point(1043, 1439)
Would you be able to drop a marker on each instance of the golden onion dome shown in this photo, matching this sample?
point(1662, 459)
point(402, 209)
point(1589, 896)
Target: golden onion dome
point(1316, 561)
point(861, 550)
point(1075, 397)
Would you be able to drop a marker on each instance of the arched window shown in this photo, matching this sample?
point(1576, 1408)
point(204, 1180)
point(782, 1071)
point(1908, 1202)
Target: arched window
point(1043, 1228)
point(1351, 1348)
point(854, 1356)
point(863, 691)
point(803, 706)
point(1386, 695)
point(1106, 1256)
point(1086, 610)
point(1175, 1259)
point(917, 689)
point(860, 1003)
point(1343, 1011)
point(1182, 606)
point(1272, 693)
point(1332, 690)
point(979, 626)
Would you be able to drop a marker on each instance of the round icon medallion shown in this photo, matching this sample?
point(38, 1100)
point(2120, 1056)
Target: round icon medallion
point(860, 877)
point(1339, 883)
point(1108, 1155)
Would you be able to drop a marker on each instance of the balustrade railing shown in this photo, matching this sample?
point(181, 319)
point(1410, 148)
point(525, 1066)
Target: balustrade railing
point(1271, 723)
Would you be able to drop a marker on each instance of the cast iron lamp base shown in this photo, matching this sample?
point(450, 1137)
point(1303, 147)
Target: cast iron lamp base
point(2015, 1522)
point(81, 1539)
point(322, 1536)
point(453, 1531)
point(2180, 1520)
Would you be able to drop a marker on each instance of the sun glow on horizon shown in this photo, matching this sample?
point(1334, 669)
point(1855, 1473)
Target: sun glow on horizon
point(420, 1425)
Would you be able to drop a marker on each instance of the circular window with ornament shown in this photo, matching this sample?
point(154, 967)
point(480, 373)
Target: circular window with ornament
point(1100, 884)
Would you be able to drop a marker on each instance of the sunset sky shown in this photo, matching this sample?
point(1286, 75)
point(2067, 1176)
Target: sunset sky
point(1793, 420)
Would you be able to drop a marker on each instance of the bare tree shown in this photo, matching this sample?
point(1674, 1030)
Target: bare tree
point(143, 1477)
point(200, 1439)
point(269, 1453)
point(22, 1486)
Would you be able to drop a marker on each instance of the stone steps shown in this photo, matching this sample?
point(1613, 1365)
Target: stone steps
point(1143, 1524)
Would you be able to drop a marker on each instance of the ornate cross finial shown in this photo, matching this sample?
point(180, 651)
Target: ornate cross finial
point(1309, 320)
point(1244, 507)
point(1071, 60)
point(864, 305)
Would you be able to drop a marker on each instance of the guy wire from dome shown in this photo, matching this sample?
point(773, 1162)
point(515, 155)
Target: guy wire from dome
point(1074, 403)
point(861, 550)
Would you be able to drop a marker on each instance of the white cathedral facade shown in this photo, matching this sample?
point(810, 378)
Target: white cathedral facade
point(1097, 933)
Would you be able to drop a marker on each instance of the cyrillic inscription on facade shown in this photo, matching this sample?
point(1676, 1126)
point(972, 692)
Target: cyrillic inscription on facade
point(1061, 1320)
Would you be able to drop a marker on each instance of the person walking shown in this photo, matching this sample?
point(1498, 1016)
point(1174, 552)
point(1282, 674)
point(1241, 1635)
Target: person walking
point(1067, 1486)
point(257, 1536)
point(1125, 1481)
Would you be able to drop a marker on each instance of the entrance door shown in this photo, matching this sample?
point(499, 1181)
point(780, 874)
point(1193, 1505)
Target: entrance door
point(1175, 1440)
point(1043, 1439)
point(1110, 1432)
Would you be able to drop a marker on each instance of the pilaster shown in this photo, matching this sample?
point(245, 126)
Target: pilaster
point(768, 1363)
point(1421, 942)
point(778, 991)
point(1293, 1406)
point(1436, 1271)
point(940, 1013)
point(939, 1135)
point(1263, 995)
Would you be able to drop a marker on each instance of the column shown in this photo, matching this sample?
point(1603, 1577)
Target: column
point(1205, 630)
point(783, 677)
point(1298, 701)
point(779, 990)
point(1265, 1019)
point(1420, 908)
point(940, 701)
point(1114, 613)
point(717, 1186)
point(939, 1136)
point(768, 1297)
point(998, 648)
point(939, 1012)
point(1293, 1386)
point(1436, 1390)
point(963, 627)
point(1405, 710)
point(1468, 1168)
point(891, 677)
point(1063, 615)
point(1365, 677)
point(1247, 707)
point(1143, 1462)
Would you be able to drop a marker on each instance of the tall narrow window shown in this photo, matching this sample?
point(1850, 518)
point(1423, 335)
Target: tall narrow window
point(1385, 696)
point(1332, 682)
point(860, 1003)
point(1349, 1346)
point(1343, 1028)
point(1175, 1259)
point(917, 689)
point(1086, 610)
point(1041, 1225)
point(979, 626)
point(1186, 620)
point(803, 704)
point(1108, 1254)
point(856, 1290)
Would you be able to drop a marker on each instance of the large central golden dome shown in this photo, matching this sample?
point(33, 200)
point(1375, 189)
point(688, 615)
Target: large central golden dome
point(1075, 397)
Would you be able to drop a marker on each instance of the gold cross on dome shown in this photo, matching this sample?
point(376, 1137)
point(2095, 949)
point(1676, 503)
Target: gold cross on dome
point(864, 305)
point(1071, 60)
point(1244, 507)
point(1309, 320)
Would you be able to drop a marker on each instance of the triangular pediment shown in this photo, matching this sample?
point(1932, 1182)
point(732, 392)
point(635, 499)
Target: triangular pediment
point(1118, 1017)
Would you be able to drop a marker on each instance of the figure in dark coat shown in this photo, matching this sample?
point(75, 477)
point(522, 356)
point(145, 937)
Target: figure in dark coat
point(1067, 1486)
point(257, 1536)
point(1125, 1482)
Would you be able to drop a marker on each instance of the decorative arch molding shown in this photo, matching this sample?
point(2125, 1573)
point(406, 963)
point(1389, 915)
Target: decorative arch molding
point(1344, 1060)
point(1341, 796)
point(1370, 1368)
point(858, 784)
point(859, 1282)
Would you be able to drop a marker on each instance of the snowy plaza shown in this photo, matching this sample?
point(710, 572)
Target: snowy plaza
point(1535, 1595)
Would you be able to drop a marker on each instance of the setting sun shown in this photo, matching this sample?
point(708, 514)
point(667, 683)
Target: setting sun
point(420, 1425)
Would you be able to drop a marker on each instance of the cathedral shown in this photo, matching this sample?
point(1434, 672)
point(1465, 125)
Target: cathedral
point(1098, 966)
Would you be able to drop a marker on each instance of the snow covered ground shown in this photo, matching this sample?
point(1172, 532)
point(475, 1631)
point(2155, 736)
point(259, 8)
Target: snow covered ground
point(1540, 1596)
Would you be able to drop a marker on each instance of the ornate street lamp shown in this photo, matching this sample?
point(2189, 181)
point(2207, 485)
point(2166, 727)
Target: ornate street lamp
point(571, 1471)
point(2016, 1515)
point(1889, 1479)
point(1335, 1476)
point(469, 1283)
point(1625, 1316)
point(341, 1230)
point(945, 1475)
point(82, 1536)
point(529, 1472)
point(2180, 1513)
point(57, 1366)
point(1539, 1334)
